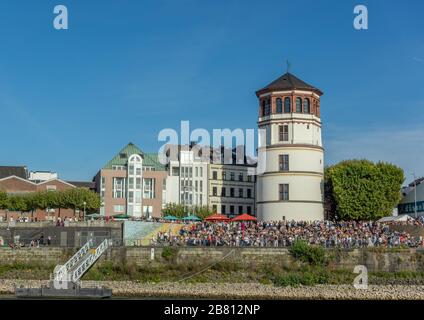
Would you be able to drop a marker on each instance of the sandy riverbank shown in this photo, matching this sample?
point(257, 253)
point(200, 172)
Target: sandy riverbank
point(239, 290)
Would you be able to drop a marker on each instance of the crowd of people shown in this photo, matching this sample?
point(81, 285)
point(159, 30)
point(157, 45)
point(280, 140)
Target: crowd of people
point(283, 233)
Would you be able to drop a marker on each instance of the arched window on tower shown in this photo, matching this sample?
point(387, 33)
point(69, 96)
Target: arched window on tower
point(306, 106)
point(268, 107)
point(287, 105)
point(298, 105)
point(279, 105)
point(263, 108)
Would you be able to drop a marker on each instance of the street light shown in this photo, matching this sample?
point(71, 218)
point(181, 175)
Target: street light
point(85, 203)
point(415, 195)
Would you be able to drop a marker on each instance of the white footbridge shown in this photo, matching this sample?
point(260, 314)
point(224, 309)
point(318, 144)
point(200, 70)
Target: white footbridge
point(73, 270)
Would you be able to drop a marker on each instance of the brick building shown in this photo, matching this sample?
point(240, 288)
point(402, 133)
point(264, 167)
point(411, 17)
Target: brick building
point(132, 183)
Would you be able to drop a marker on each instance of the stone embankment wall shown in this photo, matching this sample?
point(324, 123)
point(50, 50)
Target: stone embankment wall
point(375, 259)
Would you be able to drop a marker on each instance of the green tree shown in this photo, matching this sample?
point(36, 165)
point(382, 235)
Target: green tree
point(363, 190)
point(3, 200)
point(75, 198)
point(179, 211)
point(174, 209)
point(16, 202)
point(202, 211)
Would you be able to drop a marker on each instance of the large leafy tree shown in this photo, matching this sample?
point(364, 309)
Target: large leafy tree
point(3, 200)
point(179, 211)
point(67, 199)
point(363, 190)
point(75, 198)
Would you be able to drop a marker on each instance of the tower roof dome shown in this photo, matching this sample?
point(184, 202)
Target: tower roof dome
point(288, 81)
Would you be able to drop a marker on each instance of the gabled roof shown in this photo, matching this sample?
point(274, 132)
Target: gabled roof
point(121, 158)
point(18, 171)
point(288, 81)
point(19, 178)
point(56, 179)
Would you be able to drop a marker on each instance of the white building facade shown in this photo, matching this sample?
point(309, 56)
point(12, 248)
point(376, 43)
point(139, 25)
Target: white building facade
point(292, 184)
point(187, 183)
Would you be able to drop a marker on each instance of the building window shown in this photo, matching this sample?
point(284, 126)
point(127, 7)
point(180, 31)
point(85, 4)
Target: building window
point(284, 192)
point(214, 208)
point(232, 176)
point(263, 108)
point(118, 188)
point(223, 209)
point(118, 208)
point(279, 103)
point(249, 193)
point(249, 209)
point(298, 105)
point(241, 176)
point(284, 132)
point(223, 193)
point(231, 209)
point(131, 183)
point(175, 171)
point(268, 107)
point(214, 191)
point(148, 188)
point(283, 162)
point(287, 105)
point(249, 178)
point(214, 175)
point(240, 192)
point(306, 106)
point(232, 192)
point(240, 209)
point(224, 175)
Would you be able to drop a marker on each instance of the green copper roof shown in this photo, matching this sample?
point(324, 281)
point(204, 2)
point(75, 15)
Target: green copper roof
point(121, 158)
point(152, 160)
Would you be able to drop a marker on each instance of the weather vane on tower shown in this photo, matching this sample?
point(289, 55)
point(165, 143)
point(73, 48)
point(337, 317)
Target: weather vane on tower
point(288, 66)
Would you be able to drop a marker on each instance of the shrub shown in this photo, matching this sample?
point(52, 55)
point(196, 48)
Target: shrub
point(169, 253)
point(314, 255)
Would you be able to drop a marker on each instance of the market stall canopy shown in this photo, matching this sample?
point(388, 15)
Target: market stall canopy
point(169, 217)
point(121, 216)
point(244, 217)
point(192, 218)
point(402, 217)
point(217, 217)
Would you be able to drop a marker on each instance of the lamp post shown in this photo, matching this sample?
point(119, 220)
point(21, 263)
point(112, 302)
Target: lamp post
point(415, 195)
point(85, 203)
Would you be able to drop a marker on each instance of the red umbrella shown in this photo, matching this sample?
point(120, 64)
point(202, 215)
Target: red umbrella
point(244, 217)
point(217, 217)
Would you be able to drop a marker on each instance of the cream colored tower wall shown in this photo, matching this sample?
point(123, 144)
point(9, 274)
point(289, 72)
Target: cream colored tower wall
point(291, 211)
point(305, 174)
point(301, 159)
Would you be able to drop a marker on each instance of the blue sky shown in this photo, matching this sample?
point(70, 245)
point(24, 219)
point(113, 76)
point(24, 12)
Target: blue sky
point(124, 70)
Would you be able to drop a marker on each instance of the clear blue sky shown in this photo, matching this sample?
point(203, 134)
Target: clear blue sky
point(124, 70)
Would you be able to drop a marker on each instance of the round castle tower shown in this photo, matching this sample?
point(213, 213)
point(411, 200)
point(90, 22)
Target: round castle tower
point(292, 185)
